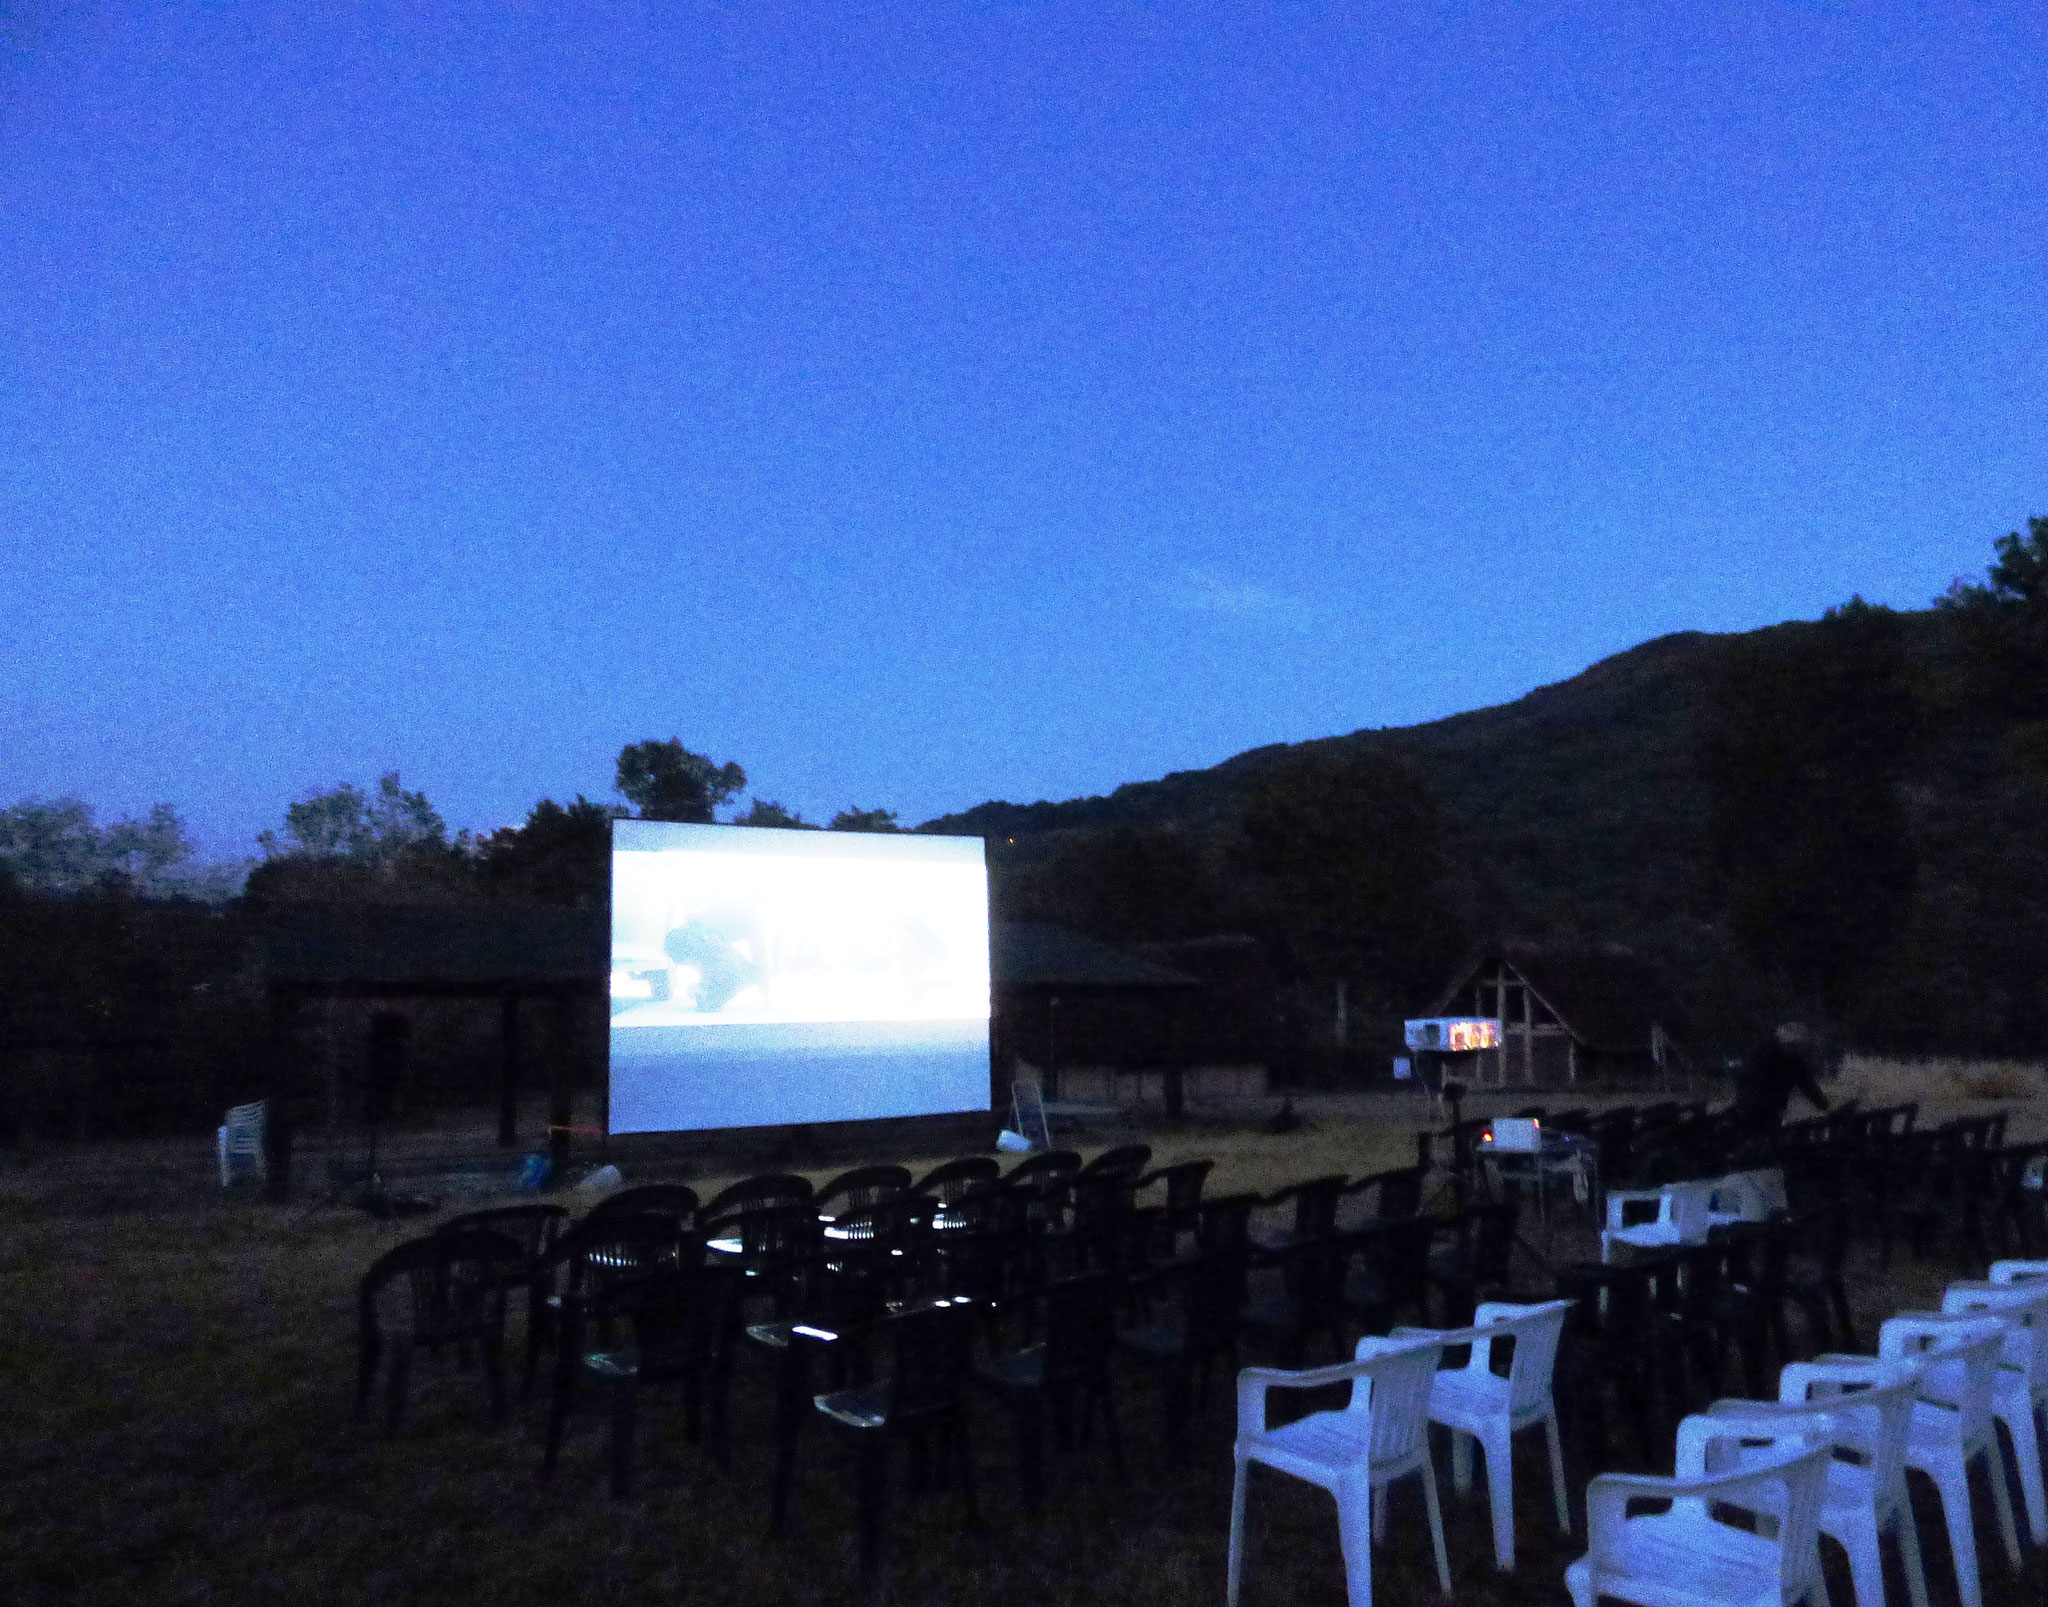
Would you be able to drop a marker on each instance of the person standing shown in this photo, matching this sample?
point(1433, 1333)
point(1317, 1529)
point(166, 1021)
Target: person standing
point(1776, 1069)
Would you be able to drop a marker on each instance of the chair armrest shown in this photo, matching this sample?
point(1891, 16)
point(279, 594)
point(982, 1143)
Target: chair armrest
point(1608, 1495)
point(1254, 1382)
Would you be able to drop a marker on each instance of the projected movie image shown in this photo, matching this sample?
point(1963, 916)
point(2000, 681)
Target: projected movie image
point(762, 977)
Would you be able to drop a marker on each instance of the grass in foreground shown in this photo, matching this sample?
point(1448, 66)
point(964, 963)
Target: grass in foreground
point(178, 1376)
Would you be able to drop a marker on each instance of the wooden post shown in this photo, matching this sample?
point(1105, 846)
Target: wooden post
point(561, 1080)
point(508, 1069)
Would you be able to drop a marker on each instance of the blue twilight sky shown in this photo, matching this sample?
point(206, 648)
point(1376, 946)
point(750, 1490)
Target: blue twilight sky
point(927, 404)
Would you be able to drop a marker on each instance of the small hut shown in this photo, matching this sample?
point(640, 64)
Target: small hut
point(1565, 1016)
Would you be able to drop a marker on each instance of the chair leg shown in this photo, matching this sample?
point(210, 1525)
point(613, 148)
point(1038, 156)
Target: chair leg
point(1962, 1535)
point(625, 1409)
point(2001, 1497)
point(1909, 1554)
point(1866, 1565)
point(873, 1472)
point(1436, 1525)
point(2026, 1455)
point(493, 1347)
point(1236, 1574)
point(1354, 1530)
point(394, 1383)
point(1031, 1454)
point(1557, 1484)
point(1461, 1462)
point(1500, 1496)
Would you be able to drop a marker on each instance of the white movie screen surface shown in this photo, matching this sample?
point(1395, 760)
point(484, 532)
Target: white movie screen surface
point(761, 976)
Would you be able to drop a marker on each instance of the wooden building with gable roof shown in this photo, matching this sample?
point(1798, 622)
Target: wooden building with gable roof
point(1565, 1015)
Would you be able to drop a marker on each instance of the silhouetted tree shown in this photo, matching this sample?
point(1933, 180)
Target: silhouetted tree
point(666, 781)
point(2005, 624)
point(1811, 730)
point(1126, 885)
point(562, 855)
point(767, 813)
point(851, 819)
point(1348, 859)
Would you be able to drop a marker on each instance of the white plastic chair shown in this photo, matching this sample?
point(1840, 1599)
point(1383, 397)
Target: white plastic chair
point(239, 1143)
point(1686, 1557)
point(1951, 1425)
point(1681, 1217)
point(1355, 1453)
point(1870, 1404)
point(2021, 1387)
point(1753, 1196)
point(2018, 1272)
point(1476, 1404)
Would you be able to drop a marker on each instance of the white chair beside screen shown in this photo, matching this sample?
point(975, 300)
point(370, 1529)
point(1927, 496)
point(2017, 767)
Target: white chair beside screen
point(2021, 1387)
point(239, 1144)
point(1476, 1404)
point(1682, 1217)
point(1952, 1425)
point(1688, 1556)
point(1354, 1453)
point(1870, 1404)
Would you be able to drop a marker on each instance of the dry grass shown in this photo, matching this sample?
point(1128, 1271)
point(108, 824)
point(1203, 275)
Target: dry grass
point(179, 1369)
point(1948, 1086)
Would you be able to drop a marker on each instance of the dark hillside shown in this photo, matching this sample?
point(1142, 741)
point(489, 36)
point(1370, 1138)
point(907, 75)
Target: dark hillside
point(1580, 815)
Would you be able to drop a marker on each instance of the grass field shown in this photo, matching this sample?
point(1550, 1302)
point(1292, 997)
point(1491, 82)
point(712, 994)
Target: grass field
point(174, 1428)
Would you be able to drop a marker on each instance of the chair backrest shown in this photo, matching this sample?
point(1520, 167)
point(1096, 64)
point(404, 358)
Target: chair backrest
point(1315, 1204)
point(953, 1179)
point(1184, 1182)
point(764, 1189)
point(531, 1227)
point(1535, 1330)
point(649, 1199)
point(453, 1282)
point(606, 1253)
point(2026, 1341)
point(1799, 1458)
point(1394, 1391)
point(860, 1188)
point(1045, 1164)
point(1871, 1403)
point(1959, 1362)
point(2018, 1272)
point(1124, 1158)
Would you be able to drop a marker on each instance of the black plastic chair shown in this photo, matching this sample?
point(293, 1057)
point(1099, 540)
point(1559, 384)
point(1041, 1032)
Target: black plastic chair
point(1185, 1328)
point(951, 1180)
point(1306, 1302)
point(1387, 1275)
point(675, 1200)
point(1047, 1163)
point(1177, 1213)
point(1478, 1265)
point(1124, 1159)
point(682, 1318)
point(429, 1293)
point(922, 1397)
point(1064, 1369)
point(860, 1188)
point(605, 1265)
point(1313, 1215)
point(533, 1228)
point(768, 1188)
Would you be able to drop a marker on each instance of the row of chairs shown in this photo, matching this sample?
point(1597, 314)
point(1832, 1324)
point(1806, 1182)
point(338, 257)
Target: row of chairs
point(1829, 1456)
point(650, 1288)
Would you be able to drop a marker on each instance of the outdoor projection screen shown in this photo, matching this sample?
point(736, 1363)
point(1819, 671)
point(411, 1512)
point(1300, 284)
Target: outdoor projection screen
point(763, 977)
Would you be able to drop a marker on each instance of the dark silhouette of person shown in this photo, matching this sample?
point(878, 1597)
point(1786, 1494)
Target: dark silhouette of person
point(1772, 1073)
